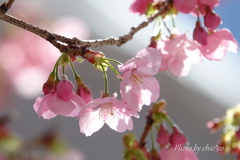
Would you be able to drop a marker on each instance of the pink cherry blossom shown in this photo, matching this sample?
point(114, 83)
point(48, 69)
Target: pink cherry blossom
point(140, 6)
point(138, 86)
point(178, 54)
point(174, 153)
point(185, 6)
point(63, 101)
point(218, 43)
point(209, 3)
point(115, 113)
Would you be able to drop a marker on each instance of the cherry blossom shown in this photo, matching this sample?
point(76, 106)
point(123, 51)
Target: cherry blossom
point(174, 153)
point(178, 54)
point(138, 86)
point(185, 6)
point(115, 113)
point(218, 43)
point(63, 101)
point(140, 6)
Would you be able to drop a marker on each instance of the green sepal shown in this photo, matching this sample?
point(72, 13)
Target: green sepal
point(79, 60)
point(64, 59)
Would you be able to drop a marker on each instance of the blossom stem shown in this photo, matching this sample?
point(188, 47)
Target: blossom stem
point(152, 139)
point(173, 21)
point(63, 70)
point(112, 60)
point(165, 25)
point(105, 79)
point(57, 78)
point(73, 69)
point(169, 120)
point(115, 71)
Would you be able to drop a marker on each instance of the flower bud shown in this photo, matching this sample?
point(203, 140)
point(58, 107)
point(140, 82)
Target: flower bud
point(212, 20)
point(128, 140)
point(200, 34)
point(84, 92)
point(163, 136)
point(177, 137)
point(92, 56)
point(49, 85)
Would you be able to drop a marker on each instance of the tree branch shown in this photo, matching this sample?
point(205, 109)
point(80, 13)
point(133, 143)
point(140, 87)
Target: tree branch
point(53, 38)
point(6, 5)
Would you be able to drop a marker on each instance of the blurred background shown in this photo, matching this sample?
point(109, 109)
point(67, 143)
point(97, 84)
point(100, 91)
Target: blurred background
point(26, 61)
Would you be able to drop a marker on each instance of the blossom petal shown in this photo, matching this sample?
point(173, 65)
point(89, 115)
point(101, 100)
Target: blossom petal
point(124, 122)
point(59, 106)
point(89, 122)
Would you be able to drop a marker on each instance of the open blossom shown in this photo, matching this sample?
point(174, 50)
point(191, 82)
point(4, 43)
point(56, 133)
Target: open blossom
point(185, 6)
point(175, 153)
point(115, 113)
point(218, 43)
point(178, 54)
point(140, 6)
point(138, 86)
point(63, 101)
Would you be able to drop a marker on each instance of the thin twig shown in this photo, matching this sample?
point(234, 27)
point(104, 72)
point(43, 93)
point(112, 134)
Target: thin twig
point(54, 38)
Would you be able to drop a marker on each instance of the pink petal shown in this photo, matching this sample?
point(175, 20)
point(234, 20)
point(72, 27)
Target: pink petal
point(123, 123)
point(185, 6)
point(89, 122)
point(59, 106)
point(176, 154)
point(147, 61)
point(219, 43)
point(64, 90)
point(43, 107)
point(78, 103)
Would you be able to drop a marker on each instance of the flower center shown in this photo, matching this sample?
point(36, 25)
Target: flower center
point(136, 78)
point(107, 113)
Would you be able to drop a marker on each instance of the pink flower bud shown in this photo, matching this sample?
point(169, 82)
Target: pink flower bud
point(85, 93)
point(200, 34)
point(212, 20)
point(47, 87)
point(64, 89)
point(163, 136)
point(92, 56)
point(177, 137)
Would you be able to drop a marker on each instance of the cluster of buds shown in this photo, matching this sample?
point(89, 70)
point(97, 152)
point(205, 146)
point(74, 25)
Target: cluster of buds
point(171, 143)
point(229, 143)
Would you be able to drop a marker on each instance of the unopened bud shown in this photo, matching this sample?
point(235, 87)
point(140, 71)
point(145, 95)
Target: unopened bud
point(48, 86)
point(163, 136)
point(177, 137)
point(85, 93)
point(128, 140)
point(212, 20)
point(200, 34)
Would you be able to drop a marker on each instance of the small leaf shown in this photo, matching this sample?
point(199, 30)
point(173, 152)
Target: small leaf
point(79, 60)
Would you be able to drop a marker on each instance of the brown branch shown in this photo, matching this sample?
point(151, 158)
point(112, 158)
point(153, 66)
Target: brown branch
point(53, 38)
point(6, 5)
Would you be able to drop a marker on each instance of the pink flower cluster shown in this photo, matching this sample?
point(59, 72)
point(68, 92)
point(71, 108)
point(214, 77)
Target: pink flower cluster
point(178, 52)
point(138, 87)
